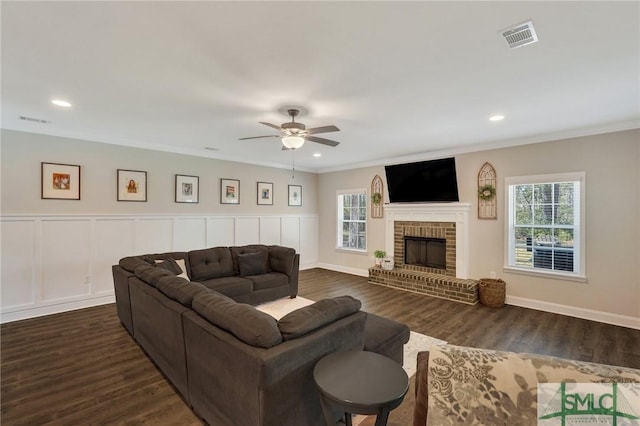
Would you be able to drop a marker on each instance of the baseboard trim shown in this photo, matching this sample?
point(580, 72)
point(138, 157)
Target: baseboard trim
point(573, 311)
point(39, 311)
point(345, 269)
point(539, 305)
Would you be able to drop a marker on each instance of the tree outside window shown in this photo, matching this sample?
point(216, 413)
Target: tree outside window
point(352, 220)
point(545, 226)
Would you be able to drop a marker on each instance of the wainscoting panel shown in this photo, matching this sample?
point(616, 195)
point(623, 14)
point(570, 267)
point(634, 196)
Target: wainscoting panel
point(247, 230)
point(55, 263)
point(18, 263)
point(291, 233)
point(66, 259)
point(220, 231)
point(270, 230)
point(189, 234)
point(154, 235)
point(309, 237)
point(111, 238)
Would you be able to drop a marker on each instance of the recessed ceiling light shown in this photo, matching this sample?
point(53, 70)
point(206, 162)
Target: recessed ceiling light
point(61, 103)
point(317, 154)
point(496, 117)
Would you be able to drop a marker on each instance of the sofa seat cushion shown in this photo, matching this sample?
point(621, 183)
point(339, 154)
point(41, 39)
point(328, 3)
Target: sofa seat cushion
point(323, 312)
point(473, 386)
point(230, 286)
point(151, 274)
point(210, 263)
point(252, 248)
point(180, 290)
point(253, 327)
point(269, 280)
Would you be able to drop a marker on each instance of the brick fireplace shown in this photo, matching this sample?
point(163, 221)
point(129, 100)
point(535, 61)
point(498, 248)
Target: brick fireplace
point(442, 221)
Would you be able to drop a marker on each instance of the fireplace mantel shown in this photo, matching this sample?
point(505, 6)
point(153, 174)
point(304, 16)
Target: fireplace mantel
point(434, 212)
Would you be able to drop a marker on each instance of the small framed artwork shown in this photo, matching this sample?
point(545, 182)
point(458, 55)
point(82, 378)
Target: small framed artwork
point(60, 181)
point(229, 191)
point(187, 189)
point(265, 193)
point(295, 195)
point(132, 185)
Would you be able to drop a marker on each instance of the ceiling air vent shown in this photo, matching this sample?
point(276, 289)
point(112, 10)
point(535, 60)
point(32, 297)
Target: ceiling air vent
point(33, 120)
point(520, 35)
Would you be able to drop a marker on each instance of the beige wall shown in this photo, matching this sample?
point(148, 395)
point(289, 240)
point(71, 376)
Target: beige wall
point(611, 162)
point(22, 153)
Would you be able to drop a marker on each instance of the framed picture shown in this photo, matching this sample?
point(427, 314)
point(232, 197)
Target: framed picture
point(187, 189)
point(132, 185)
point(229, 191)
point(265, 193)
point(295, 195)
point(60, 181)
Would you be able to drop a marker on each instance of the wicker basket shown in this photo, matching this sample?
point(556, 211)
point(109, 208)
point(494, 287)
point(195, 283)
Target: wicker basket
point(492, 292)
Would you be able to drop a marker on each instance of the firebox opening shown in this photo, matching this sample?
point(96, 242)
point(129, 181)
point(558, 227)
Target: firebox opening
point(427, 252)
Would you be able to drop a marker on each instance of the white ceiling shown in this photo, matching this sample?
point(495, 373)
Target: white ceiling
point(403, 81)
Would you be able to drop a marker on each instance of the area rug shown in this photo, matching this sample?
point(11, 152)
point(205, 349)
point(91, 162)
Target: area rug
point(281, 307)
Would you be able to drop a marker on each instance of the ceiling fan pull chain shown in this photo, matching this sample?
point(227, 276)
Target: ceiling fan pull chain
point(293, 164)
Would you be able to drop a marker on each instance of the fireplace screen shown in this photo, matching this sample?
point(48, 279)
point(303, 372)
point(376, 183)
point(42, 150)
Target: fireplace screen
point(427, 252)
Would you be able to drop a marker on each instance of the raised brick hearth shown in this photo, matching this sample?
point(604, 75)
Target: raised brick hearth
point(437, 285)
point(443, 221)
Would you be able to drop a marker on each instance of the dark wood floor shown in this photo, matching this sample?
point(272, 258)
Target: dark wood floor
point(82, 367)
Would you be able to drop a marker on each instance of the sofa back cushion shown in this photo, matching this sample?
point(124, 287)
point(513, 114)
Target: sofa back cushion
point(152, 274)
point(281, 259)
point(210, 263)
point(179, 289)
point(249, 325)
point(323, 312)
point(251, 248)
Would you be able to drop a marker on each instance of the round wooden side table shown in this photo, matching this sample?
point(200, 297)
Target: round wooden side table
point(360, 382)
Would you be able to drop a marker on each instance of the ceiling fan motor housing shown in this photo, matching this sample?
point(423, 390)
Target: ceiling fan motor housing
point(294, 127)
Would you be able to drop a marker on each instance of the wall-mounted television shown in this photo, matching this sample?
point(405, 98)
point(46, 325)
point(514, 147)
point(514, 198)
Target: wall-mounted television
point(432, 181)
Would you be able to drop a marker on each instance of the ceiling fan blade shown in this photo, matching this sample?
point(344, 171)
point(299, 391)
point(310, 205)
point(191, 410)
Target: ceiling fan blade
point(322, 140)
point(270, 125)
point(323, 129)
point(257, 137)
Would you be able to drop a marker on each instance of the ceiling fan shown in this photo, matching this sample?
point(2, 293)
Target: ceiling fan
point(294, 134)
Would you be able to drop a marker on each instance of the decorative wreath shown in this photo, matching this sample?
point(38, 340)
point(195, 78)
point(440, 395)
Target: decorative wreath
point(376, 197)
point(487, 192)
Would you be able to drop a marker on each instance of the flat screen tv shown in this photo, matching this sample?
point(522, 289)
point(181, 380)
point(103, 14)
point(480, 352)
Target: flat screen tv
point(432, 181)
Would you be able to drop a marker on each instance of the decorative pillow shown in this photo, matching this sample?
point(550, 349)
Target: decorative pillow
point(169, 264)
point(177, 266)
point(251, 264)
point(251, 326)
point(323, 312)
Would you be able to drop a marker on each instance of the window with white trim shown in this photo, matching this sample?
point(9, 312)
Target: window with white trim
point(352, 219)
point(545, 224)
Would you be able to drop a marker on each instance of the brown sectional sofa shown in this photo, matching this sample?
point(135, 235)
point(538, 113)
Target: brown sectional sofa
point(230, 362)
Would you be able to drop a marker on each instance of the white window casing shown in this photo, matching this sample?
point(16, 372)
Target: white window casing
point(545, 225)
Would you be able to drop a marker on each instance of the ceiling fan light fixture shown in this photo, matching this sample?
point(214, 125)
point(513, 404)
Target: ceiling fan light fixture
point(293, 142)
